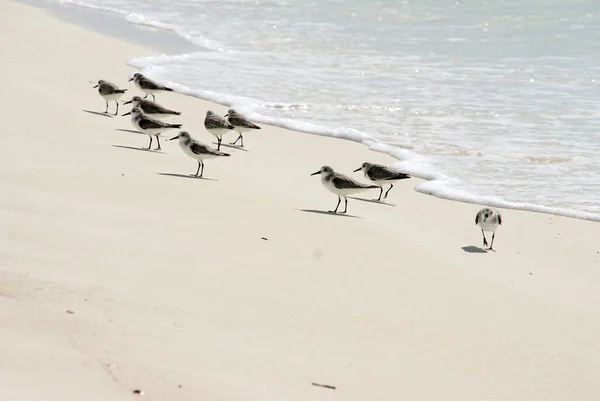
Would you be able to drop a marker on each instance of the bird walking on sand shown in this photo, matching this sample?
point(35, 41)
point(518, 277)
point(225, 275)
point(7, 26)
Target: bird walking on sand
point(148, 86)
point(241, 123)
point(149, 126)
point(380, 175)
point(340, 185)
point(217, 125)
point(151, 108)
point(488, 220)
point(110, 91)
point(197, 150)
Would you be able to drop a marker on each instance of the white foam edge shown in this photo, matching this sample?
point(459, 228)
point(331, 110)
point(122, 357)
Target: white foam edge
point(435, 183)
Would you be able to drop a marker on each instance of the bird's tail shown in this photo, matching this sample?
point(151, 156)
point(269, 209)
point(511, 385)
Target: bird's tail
point(401, 176)
point(224, 154)
point(174, 125)
point(121, 90)
point(372, 186)
point(168, 89)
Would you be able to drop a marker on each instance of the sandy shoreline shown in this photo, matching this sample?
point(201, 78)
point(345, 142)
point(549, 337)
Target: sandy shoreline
point(173, 290)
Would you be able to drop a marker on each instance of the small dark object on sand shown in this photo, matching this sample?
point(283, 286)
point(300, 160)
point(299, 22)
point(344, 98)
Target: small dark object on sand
point(70, 311)
point(324, 385)
point(138, 391)
point(265, 238)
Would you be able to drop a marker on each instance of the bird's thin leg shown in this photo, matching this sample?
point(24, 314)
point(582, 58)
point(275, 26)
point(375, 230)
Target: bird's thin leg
point(153, 97)
point(492, 244)
point(238, 138)
point(380, 193)
point(117, 111)
point(484, 240)
point(106, 111)
point(150, 145)
point(157, 140)
point(345, 205)
point(197, 171)
point(219, 142)
point(388, 191)
point(146, 96)
point(242, 142)
point(202, 172)
point(336, 206)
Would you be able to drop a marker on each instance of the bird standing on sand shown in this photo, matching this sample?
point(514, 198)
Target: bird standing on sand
point(488, 220)
point(241, 124)
point(148, 125)
point(197, 150)
point(380, 175)
point(340, 185)
point(148, 86)
point(151, 108)
point(110, 91)
point(217, 125)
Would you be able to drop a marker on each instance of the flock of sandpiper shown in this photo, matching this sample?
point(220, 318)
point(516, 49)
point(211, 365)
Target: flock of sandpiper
point(146, 115)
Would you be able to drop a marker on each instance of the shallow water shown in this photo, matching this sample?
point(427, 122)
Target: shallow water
point(495, 101)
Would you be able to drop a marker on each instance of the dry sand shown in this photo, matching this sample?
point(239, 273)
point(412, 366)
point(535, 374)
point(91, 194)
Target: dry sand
point(119, 272)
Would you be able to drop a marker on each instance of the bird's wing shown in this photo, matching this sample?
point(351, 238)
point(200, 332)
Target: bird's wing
point(148, 123)
point(155, 108)
point(239, 120)
point(147, 83)
point(343, 182)
point(214, 122)
point(201, 149)
point(377, 172)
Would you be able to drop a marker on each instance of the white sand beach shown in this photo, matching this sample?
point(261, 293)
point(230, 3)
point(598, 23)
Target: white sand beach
point(119, 272)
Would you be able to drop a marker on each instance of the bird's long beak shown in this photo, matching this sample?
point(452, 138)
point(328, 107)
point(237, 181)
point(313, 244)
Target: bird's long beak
point(175, 137)
point(130, 79)
point(226, 115)
point(96, 86)
point(316, 172)
point(358, 169)
point(126, 114)
point(127, 102)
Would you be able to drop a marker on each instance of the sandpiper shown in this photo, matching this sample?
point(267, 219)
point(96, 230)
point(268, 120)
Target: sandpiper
point(340, 185)
point(488, 220)
point(380, 175)
point(217, 125)
point(151, 108)
point(241, 124)
point(148, 86)
point(148, 125)
point(110, 91)
point(197, 150)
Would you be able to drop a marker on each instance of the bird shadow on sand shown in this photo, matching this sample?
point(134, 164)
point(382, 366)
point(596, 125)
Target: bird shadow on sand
point(98, 113)
point(128, 130)
point(372, 201)
point(187, 176)
point(142, 149)
point(327, 213)
point(474, 249)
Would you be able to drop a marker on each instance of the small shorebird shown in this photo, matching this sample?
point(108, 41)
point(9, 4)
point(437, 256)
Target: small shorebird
point(110, 91)
point(148, 125)
point(151, 108)
point(488, 220)
point(340, 185)
point(148, 86)
point(380, 175)
point(217, 125)
point(197, 150)
point(241, 124)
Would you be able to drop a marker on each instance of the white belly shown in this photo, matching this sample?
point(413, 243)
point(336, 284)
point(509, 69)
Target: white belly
point(488, 226)
point(113, 96)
